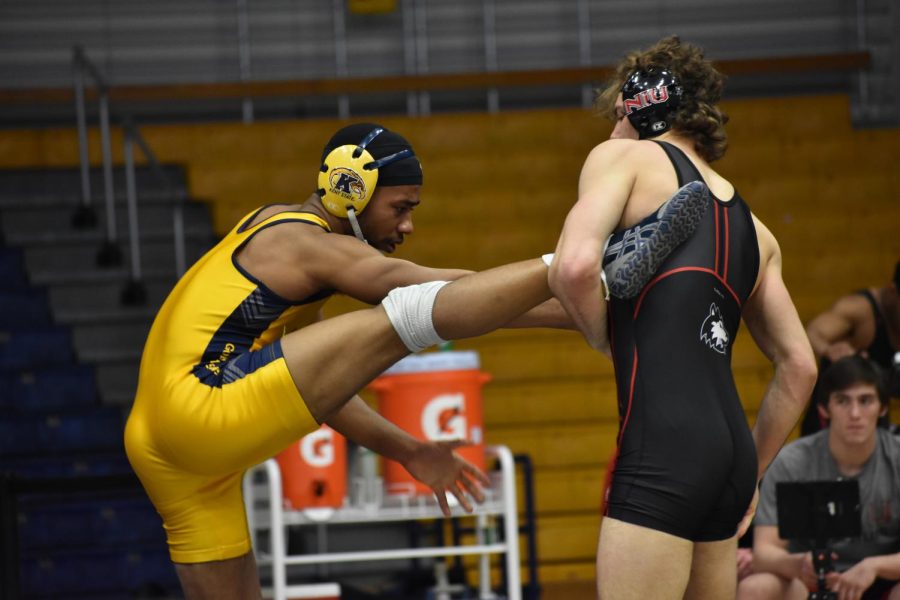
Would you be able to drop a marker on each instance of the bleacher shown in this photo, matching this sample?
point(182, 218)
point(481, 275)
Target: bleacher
point(497, 188)
point(83, 526)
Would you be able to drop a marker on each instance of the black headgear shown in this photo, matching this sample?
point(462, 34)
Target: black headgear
point(649, 98)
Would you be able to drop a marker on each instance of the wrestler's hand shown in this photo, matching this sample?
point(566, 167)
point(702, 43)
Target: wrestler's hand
point(839, 350)
point(744, 525)
point(436, 465)
point(852, 583)
point(744, 562)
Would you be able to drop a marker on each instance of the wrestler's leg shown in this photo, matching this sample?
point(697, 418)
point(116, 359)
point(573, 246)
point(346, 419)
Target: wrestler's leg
point(713, 571)
point(232, 579)
point(332, 360)
point(636, 563)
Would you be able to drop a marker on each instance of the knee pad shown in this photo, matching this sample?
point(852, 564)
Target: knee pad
point(409, 310)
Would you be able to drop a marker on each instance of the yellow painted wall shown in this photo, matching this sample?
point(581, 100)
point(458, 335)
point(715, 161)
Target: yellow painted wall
point(497, 188)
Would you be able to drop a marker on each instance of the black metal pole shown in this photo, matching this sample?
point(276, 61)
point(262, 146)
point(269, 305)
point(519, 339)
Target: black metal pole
point(9, 525)
point(533, 589)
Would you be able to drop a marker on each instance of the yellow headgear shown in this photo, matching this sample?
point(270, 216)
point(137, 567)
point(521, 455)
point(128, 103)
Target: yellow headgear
point(349, 174)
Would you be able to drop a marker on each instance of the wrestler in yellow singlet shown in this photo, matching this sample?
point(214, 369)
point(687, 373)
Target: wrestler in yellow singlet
point(215, 396)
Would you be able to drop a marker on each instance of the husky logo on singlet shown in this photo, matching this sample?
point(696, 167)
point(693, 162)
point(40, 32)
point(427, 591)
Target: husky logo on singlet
point(444, 418)
point(347, 183)
point(713, 332)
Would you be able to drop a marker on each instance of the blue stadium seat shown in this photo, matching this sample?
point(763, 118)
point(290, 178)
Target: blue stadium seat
point(93, 429)
point(30, 349)
point(12, 273)
point(80, 465)
point(93, 573)
point(50, 388)
point(97, 429)
point(99, 523)
point(23, 309)
point(18, 435)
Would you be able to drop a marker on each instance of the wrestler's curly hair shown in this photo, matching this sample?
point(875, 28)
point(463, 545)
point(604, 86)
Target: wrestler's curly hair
point(697, 116)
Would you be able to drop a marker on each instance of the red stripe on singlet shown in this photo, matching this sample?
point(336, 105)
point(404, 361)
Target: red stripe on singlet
point(647, 287)
point(716, 266)
point(725, 269)
point(630, 398)
point(615, 459)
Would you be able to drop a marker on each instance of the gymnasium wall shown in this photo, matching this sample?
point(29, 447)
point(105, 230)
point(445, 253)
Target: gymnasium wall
point(497, 189)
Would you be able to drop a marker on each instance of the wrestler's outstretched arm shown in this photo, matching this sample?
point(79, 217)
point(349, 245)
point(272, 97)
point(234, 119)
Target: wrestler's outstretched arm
point(433, 463)
point(331, 360)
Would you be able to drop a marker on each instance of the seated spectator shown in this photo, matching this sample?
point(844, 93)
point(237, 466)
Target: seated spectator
point(852, 397)
point(866, 322)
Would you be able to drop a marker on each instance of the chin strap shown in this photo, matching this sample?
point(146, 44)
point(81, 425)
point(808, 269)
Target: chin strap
point(354, 223)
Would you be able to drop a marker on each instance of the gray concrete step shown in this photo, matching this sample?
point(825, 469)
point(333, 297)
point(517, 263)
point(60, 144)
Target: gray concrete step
point(98, 236)
point(48, 186)
point(36, 214)
point(31, 217)
point(110, 339)
point(75, 316)
point(98, 275)
point(117, 381)
point(156, 254)
point(79, 296)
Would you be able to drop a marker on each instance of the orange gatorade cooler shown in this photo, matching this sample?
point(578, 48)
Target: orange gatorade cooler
point(434, 396)
point(314, 470)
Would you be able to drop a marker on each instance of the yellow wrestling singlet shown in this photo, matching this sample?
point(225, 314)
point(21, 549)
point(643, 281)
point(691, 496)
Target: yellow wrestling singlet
point(215, 396)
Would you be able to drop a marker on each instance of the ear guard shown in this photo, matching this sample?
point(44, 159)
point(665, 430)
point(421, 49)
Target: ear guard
point(650, 97)
point(349, 174)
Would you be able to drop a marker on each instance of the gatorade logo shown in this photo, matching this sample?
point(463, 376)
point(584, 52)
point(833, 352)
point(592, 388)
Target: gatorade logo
point(347, 183)
point(317, 448)
point(444, 418)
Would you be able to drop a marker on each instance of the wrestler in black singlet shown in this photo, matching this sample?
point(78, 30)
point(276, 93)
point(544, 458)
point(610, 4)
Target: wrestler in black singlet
point(686, 462)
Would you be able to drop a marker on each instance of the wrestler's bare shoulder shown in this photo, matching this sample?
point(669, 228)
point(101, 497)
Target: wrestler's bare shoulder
point(623, 149)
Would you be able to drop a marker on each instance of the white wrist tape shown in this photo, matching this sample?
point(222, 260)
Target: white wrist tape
point(603, 283)
point(547, 258)
point(409, 310)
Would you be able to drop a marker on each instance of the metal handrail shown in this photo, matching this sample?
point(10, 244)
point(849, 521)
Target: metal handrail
point(86, 217)
point(110, 254)
point(133, 136)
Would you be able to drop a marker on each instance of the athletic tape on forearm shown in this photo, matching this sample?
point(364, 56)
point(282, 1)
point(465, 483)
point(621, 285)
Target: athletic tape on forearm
point(409, 310)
